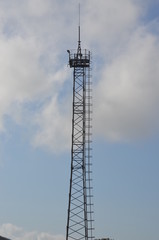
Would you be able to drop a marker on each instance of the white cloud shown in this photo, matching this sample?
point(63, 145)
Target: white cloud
point(38, 7)
point(30, 68)
point(21, 77)
point(128, 94)
point(108, 24)
point(13, 232)
point(54, 126)
point(33, 43)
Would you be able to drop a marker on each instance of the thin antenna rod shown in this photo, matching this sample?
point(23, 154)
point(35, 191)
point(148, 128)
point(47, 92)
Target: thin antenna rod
point(79, 37)
point(79, 40)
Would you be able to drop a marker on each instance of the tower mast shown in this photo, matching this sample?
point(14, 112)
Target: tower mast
point(80, 206)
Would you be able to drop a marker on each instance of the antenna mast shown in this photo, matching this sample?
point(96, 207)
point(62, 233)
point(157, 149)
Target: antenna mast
point(79, 36)
point(80, 206)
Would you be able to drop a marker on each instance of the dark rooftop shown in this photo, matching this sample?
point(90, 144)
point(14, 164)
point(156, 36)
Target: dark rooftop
point(3, 238)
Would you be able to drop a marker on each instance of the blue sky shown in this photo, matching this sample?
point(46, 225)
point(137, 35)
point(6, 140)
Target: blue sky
point(35, 116)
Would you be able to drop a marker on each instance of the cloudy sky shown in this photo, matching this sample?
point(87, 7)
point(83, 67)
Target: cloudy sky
point(35, 116)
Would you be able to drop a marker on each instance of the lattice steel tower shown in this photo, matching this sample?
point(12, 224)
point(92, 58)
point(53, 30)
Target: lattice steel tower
point(80, 207)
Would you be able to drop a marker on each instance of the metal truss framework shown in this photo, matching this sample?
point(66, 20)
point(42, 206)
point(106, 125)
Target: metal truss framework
point(80, 207)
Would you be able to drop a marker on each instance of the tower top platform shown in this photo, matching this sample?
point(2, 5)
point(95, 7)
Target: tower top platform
point(79, 58)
